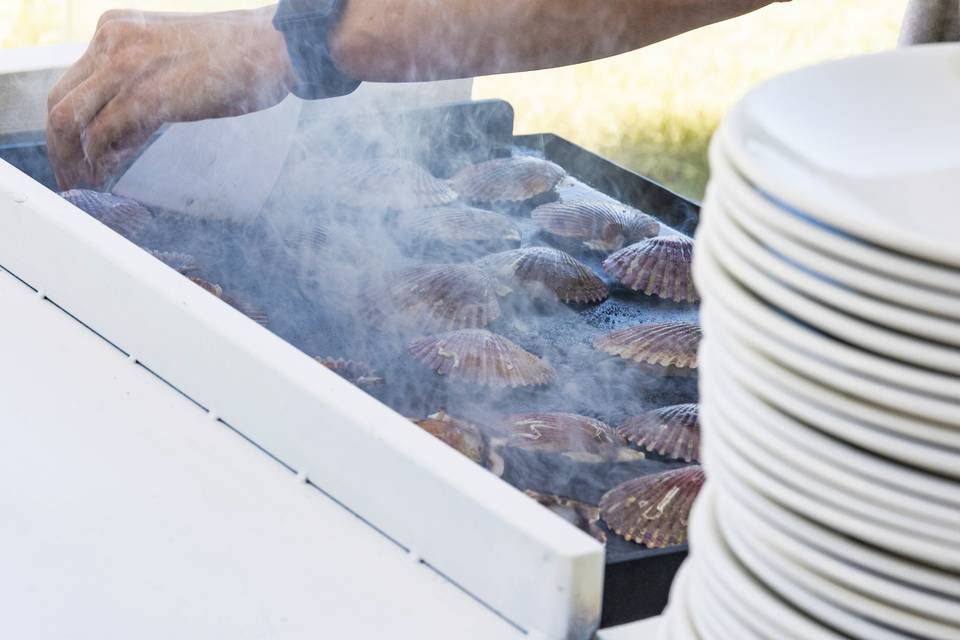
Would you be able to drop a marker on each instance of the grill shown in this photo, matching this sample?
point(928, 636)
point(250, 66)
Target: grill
point(636, 579)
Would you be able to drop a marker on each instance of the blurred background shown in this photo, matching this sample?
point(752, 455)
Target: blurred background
point(653, 110)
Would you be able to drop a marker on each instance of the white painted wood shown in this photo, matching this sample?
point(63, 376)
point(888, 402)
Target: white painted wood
point(525, 562)
point(128, 513)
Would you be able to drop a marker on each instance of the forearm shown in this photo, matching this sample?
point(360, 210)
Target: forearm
point(414, 40)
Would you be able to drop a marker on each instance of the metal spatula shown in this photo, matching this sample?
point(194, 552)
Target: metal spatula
point(221, 168)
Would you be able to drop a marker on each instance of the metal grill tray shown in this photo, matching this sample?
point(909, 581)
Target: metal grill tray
point(248, 261)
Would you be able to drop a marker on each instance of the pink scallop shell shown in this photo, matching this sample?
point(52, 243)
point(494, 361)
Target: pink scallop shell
point(395, 181)
point(507, 179)
point(125, 216)
point(660, 266)
point(446, 296)
point(463, 436)
point(600, 225)
point(583, 438)
point(354, 371)
point(670, 348)
point(459, 230)
point(673, 432)
point(545, 268)
point(583, 516)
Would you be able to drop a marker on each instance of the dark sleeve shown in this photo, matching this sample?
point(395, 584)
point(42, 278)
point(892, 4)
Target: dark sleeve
point(306, 27)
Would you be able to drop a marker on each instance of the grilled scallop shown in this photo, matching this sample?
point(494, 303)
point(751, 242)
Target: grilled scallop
point(508, 179)
point(459, 434)
point(653, 510)
point(660, 266)
point(580, 514)
point(599, 225)
point(481, 357)
point(446, 296)
point(395, 181)
point(457, 231)
point(245, 307)
point(182, 263)
point(667, 348)
point(354, 371)
point(546, 270)
point(673, 432)
point(125, 216)
point(580, 438)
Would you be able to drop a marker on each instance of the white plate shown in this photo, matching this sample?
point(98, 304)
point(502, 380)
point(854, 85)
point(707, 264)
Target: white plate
point(733, 452)
point(902, 509)
point(927, 278)
point(713, 619)
point(836, 142)
point(766, 222)
point(675, 622)
point(867, 426)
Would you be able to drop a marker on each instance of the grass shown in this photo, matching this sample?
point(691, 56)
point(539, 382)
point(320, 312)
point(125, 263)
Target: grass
point(652, 110)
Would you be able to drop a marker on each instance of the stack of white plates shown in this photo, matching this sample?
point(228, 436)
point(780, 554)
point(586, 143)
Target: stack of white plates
point(828, 259)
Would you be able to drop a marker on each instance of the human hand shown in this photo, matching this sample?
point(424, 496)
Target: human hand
point(144, 69)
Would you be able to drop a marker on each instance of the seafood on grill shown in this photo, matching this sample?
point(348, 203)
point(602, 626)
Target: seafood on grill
point(125, 216)
point(461, 435)
point(480, 357)
point(456, 232)
point(356, 372)
point(583, 516)
point(544, 271)
point(445, 296)
point(393, 181)
point(653, 510)
point(661, 266)
point(668, 348)
point(580, 438)
point(598, 225)
point(182, 263)
point(514, 179)
point(245, 307)
point(672, 432)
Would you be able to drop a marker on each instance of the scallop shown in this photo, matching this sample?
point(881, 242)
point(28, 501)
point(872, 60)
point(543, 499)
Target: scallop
point(395, 181)
point(446, 296)
point(599, 225)
point(245, 307)
point(463, 436)
point(544, 269)
point(653, 510)
point(125, 216)
point(458, 231)
point(182, 263)
point(508, 179)
point(660, 266)
point(481, 357)
point(673, 432)
point(356, 372)
point(668, 348)
point(585, 517)
point(578, 437)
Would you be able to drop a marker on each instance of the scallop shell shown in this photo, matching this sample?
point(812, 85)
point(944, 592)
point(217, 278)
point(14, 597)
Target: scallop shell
point(182, 263)
point(125, 216)
point(653, 510)
point(583, 516)
point(459, 434)
point(446, 296)
point(354, 371)
point(545, 268)
point(672, 431)
point(481, 357)
point(660, 266)
point(578, 437)
point(245, 307)
point(508, 179)
point(395, 179)
point(600, 225)
point(456, 231)
point(670, 347)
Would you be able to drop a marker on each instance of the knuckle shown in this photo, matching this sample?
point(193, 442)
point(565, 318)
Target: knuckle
point(60, 118)
point(112, 14)
point(112, 35)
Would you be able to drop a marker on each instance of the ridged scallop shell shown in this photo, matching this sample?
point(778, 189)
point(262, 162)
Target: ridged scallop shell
point(245, 307)
point(671, 346)
point(581, 438)
point(182, 263)
point(481, 357)
point(600, 225)
point(507, 179)
point(583, 516)
point(446, 296)
point(125, 216)
point(673, 432)
point(354, 371)
point(545, 268)
point(457, 231)
point(653, 510)
point(395, 181)
point(660, 266)
point(459, 434)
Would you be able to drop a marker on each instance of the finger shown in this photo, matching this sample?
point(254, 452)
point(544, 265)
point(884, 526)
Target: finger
point(117, 131)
